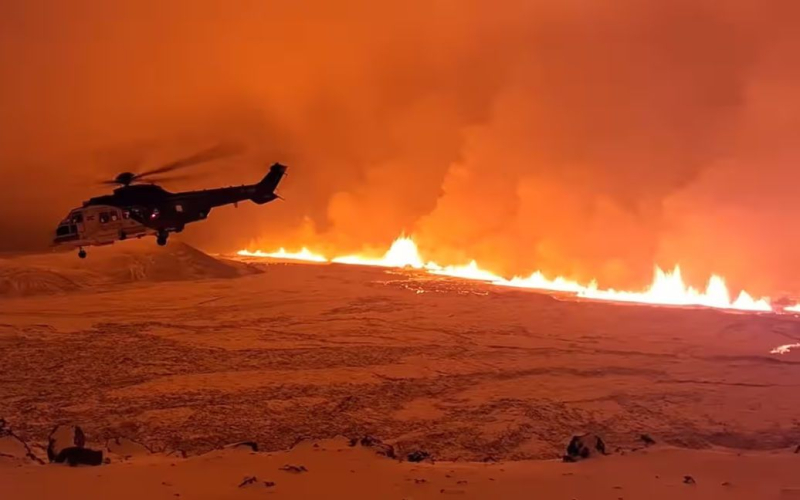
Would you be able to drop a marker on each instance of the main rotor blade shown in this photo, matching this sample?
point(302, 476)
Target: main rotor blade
point(219, 151)
point(171, 178)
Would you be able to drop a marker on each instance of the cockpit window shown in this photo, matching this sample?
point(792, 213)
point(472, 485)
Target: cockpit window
point(64, 230)
point(103, 217)
point(77, 218)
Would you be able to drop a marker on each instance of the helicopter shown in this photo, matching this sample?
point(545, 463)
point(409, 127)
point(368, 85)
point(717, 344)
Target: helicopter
point(138, 207)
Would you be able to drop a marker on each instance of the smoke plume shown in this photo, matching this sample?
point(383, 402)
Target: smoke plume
point(589, 139)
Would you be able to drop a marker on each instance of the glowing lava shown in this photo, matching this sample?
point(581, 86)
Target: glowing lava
point(667, 288)
point(795, 308)
point(402, 253)
point(304, 254)
point(469, 272)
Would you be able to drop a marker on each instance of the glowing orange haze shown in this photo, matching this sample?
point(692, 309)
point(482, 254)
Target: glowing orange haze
point(667, 288)
point(587, 139)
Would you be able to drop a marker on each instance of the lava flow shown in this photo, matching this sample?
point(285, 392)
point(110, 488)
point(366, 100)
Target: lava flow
point(667, 288)
point(304, 254)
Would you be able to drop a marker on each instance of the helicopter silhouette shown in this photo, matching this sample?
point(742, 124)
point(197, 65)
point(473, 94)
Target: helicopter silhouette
point(139, 207)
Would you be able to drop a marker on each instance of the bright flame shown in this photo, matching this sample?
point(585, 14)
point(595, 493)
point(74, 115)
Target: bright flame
point(402, 253)
point(304, 254)
point(469, 272)
point(538, 281)
point(667, 288)
point(795, 308)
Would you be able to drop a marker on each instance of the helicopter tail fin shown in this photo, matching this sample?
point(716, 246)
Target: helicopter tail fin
point(265, 190)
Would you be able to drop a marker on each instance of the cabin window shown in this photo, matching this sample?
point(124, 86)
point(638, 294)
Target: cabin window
point(103, 217)
point(126, 214)
point(179, 208)
point(114, 215)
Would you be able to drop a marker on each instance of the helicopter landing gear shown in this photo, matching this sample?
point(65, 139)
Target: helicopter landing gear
point(161, 238)
point(82, 253)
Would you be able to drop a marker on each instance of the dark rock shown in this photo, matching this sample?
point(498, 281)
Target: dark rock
point(647, 440)
point(689, 480)
point(63, 437)
point(370, 441)
point(380, 447)
point(418, 456)
point(294, 469)
point(176, 453)
point(66, 444)
point(584, 446)
point(248, 481)
point(79, 456)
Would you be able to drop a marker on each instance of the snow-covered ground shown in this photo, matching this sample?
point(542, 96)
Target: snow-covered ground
point(460, 369)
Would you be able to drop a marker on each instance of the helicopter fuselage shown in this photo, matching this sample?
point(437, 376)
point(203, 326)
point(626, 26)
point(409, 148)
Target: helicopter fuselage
point(138, 210)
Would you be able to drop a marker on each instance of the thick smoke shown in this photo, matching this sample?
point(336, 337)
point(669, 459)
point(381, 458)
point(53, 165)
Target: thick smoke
point(590, 139)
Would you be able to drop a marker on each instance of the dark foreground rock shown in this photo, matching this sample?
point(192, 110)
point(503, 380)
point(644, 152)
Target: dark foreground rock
point(418, 456)
point(252, 481)
point(294, 469)
point(584, 446)
point(66, 444)
point(379, 446)
point(80, 456)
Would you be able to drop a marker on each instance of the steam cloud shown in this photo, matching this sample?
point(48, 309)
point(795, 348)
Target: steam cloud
point(583, 138)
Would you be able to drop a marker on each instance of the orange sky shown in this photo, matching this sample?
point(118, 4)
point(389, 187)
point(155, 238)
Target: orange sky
point(591, 139)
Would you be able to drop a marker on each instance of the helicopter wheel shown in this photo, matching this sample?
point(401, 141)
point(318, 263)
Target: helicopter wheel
point(161, 238)
point(82, 253)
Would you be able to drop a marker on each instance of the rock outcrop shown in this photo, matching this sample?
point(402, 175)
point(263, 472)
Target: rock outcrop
point(67, 444)
point(584, 446)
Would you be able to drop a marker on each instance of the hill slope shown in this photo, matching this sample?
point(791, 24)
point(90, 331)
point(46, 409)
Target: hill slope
point(135, 261)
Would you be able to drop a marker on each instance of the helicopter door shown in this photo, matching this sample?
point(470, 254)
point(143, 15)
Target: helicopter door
point(107, 223)
point(76, 218)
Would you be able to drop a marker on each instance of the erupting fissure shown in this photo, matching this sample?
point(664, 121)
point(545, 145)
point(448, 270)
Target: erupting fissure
point(667, 288)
